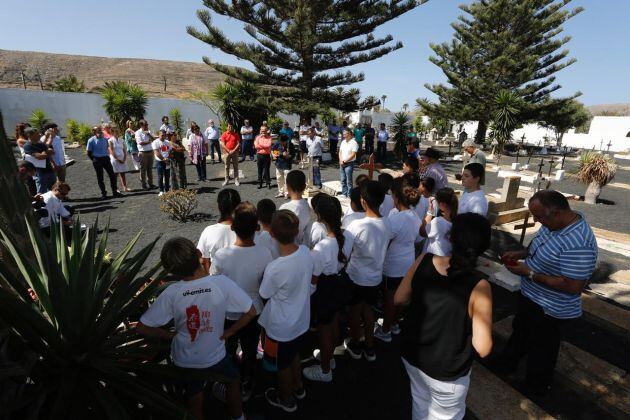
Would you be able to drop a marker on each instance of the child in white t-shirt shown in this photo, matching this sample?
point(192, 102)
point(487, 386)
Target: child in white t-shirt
point(405, 226)
point(286, 316)
point(245, 263)
point(473, 200)
point(355, 205)
point(197, 305)
point(365, 269)
point(388, 203)
point(315, 230)
point(219, 235)
point(296, 184)
point(265, 210)
point(162, 152)
point(437, 226)
point(327, 300)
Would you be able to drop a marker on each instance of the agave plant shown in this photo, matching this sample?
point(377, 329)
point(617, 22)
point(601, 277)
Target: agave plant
point(69, 309)
point(595, 170)
point(400, 126)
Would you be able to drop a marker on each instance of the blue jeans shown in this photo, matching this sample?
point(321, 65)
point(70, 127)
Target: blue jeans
point(214, 144)
point(345, 173)
point(201, 168)
point(44, 180)
point(247, 148)
point(164, 176)
point(317, 175)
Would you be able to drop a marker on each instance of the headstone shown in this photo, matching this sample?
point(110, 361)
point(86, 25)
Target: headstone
point(516, 166)
point(560, 174)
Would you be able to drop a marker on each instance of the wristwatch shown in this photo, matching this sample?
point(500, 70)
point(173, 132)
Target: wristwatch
point(531, 275)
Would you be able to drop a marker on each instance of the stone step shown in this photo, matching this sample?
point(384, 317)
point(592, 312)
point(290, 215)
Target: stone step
point(607, 385)
point(606, 315)
point(489, 397)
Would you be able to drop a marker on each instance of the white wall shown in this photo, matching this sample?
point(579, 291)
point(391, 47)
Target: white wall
point(18, 104)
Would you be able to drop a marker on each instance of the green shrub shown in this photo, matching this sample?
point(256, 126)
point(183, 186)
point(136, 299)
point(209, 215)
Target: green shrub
point(275, 124)
point(38, 119)
point(78, 132)
point(177, 121)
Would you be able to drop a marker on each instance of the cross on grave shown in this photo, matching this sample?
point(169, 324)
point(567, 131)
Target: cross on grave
point(523, 227)
point(371, 165)
point(541, 165)
point(564, 156)
point(608, 146)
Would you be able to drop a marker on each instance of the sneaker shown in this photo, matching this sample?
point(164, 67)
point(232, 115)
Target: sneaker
point(160, 193)
point(369, 354)
point(395, 329)
point(353, 349)
point(382, 335)
point(272, 397)
point(315, 373)
point(224, 183)
point(236, 182)
point(299, 394)
point(218, 391)
point(317, 356)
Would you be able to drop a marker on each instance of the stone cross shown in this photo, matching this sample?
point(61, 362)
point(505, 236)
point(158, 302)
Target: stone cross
point(371, 165)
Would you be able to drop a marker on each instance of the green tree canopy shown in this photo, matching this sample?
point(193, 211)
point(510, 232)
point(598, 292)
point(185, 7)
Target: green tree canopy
point(123, 101)
point(511, 45)
point(567, 115)
point(300, 46)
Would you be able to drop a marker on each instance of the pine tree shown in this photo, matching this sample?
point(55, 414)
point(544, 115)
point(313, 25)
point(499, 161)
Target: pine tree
point(300, 46)
point(501, 45)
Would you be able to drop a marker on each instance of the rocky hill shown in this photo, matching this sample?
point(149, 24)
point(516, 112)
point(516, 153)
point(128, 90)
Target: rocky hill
point(182, 78)
point(610, 109)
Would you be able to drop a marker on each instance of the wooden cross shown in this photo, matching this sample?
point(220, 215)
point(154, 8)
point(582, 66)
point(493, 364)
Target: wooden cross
point(371, 165)
point(524, 227)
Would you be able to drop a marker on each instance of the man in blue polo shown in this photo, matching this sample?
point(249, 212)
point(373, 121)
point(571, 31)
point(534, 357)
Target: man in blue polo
point(557, 265)
point(98, 152)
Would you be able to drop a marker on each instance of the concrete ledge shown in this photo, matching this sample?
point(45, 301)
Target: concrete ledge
point(491, 398)
point(606, 315)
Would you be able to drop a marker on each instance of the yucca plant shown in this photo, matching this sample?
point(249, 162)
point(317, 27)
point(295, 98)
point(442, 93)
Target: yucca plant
point(400, 126)
point(38, 119)
point(68, 84)
point(177, 120)
point(595, 170)
point(506, 119)
point(123, 101)
point(69, 311)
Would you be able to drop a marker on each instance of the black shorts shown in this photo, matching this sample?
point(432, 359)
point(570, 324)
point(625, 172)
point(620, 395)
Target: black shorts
point(192, 387)
point(303, 147)
point(328, 298)
point(391, 283)
point(279, 355)
point(364, 294)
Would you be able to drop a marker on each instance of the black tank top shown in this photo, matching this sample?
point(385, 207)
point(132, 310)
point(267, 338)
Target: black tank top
point(437, 330)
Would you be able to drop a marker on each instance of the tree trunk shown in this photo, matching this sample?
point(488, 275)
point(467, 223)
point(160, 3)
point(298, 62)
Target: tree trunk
point(592, 193)
point(480, 135)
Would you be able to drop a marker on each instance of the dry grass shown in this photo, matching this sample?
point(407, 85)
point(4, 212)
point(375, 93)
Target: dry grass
point(179, 203)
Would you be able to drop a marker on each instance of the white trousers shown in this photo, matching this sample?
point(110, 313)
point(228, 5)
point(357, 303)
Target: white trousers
point(281, 176)
point(433, 399)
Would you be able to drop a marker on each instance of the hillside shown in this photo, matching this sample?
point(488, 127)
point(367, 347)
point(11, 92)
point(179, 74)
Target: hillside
point(182, 78)
point(610, 109)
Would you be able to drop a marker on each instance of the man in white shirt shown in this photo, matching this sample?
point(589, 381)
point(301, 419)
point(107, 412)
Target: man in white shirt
point(144, 139)
point(347, 156)
point(382, 136)
point(247, 136)
point(51, 137)
point(314, 145)
point(57, 212)
point(213, 134)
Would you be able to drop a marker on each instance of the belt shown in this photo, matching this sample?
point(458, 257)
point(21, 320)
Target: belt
point(146, 151)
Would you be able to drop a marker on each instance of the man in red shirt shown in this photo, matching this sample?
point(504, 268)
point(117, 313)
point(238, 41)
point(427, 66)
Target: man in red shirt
point(230, 144)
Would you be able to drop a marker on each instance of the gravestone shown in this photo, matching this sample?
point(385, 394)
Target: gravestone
point(509, 207)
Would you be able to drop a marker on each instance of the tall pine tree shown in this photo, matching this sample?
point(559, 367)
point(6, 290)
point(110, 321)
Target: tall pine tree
point(501, 45)
point(300, 46)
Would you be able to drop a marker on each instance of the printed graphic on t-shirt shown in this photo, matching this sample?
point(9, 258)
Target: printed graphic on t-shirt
point(197, 322)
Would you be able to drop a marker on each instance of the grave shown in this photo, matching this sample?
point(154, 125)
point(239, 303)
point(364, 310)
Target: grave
point(508, 207)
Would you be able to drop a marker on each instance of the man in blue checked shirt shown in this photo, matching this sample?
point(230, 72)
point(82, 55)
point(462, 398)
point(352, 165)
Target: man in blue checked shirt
point(557, 265)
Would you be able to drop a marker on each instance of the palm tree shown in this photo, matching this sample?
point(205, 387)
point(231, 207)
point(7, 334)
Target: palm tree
point(383, 97)
point(400, 126)
point(38, 119)
point(506, 118)
point(123, 101)
point(595, 170)
point(68, 84)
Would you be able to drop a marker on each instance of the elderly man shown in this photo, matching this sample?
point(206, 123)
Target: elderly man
point(433, 169)
point(230, 142)
point(476, 155)
point(213, 134)
point(247, 137)
point(557, 264)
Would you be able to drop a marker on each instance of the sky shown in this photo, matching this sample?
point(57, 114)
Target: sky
point(157, 29)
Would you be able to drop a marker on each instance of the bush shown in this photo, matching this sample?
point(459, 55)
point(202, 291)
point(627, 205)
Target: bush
point(275, 124)
point(123, 101)
point(177, 121)
point(78, 132)
point(179, 203)
point(38, 120)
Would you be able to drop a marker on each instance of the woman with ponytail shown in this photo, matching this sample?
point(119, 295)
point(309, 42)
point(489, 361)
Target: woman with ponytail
point(437, 223)
point(404, 226)
point(448, 319)
point(330, 256)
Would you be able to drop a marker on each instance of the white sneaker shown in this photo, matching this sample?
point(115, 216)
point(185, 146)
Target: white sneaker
point(161, 193)
point(314, 373)
point(317, 356)
point(236, 182)
point(382, 335)
point(224, 183)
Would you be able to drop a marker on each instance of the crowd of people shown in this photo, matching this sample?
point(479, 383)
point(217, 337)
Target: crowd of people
point(407, 244)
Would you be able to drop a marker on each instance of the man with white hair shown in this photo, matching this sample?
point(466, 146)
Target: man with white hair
point(213, 134)
point(476, 155)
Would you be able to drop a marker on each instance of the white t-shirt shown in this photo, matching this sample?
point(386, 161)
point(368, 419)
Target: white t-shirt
point(315, 231)
point(215, 237)
point(245, 266)
point(314, 146)
point(198, 310)
point(55, 209)
point(304, 129)
point(265, 239)
point(405, 228)
point(287, 285)
point(473, 202)
point(326, 254)
point(141, 137)
point(386, 206)
point(346, 148)
point(163, 147)
point(167, 128)
point(422, 207)
point(371, 236)
point(438, 242)
point(351, 217)
point(247, 132)
point(303, 211)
